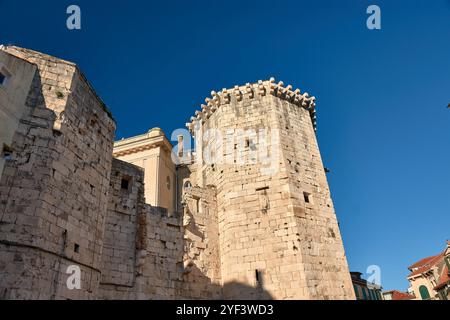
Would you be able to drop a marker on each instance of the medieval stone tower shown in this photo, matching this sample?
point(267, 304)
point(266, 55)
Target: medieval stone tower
point(256, 146)
point(247, 214)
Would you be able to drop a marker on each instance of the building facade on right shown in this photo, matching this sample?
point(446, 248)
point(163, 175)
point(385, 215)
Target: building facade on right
point(430, 277)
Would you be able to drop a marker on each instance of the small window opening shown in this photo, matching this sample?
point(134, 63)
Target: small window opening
point(257, 276)
point(2, 78)
point(7, 152)
point(307, 197)
point(125, 183)
point(247, 142)
point(187, 185)
point(76, 248)
point(197, 204)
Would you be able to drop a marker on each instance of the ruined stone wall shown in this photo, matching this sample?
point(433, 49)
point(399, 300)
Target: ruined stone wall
point(201, 258)
point(267, 249)
point(122, 225)
point(53, 192)
point(148, 254)
point(143, 249)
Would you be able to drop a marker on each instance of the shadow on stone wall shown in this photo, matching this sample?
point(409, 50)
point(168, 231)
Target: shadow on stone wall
point(239, 291)
point(202, 288)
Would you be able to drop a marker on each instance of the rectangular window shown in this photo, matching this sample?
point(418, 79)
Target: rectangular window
point(125, 183)
point(307, 197)
point(355, 287)
point(364, 293)
point(2, 78)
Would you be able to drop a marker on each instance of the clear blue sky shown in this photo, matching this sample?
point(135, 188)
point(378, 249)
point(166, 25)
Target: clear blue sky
point(384, 129)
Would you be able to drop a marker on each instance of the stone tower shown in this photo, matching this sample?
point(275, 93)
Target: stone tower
point(278, 232)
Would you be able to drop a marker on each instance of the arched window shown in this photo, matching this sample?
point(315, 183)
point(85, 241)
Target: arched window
point(425, 295)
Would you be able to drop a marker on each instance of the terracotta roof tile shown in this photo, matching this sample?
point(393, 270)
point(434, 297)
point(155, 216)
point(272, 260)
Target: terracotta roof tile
point(398, 295)
point(425, 264)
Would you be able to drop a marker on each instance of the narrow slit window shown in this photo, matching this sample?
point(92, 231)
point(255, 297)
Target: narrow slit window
point(257, 276)
point(197, 204)
point(76, 248)
point(2, 78)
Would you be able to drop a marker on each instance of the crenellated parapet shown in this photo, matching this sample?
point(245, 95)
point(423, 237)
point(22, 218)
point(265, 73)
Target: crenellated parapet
point(253, 91)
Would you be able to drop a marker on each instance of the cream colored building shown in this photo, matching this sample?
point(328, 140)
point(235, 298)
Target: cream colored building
point(152, 152)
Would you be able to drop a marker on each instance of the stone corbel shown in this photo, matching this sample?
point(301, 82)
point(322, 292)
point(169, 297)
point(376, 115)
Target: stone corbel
point(226, 96)
point(261, 88)
point(238, 93)
point(273, 86)
point(249, 90)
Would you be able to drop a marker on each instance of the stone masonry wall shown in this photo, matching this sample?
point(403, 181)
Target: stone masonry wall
point(13, 95)
point(143, 248)
point(316, 235)
point(201, 259)
point(53, 193)
point(122, 225)
point(150, 255)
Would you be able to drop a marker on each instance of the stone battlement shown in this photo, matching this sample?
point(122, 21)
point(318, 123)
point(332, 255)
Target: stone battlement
point(253, 91)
